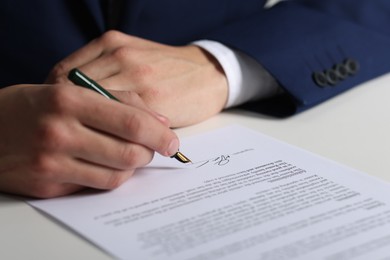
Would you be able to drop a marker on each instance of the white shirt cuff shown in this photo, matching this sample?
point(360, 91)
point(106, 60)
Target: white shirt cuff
point(247, 79)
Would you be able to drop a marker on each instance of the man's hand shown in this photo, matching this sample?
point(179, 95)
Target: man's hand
point(185, 84)
point(56, 140)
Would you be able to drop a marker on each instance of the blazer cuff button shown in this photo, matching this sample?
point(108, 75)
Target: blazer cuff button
point(320, 79)
point(352, 66)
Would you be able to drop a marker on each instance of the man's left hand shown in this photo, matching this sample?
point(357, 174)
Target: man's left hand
point(185, 84)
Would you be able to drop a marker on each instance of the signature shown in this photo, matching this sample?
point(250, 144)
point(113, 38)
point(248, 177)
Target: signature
point(221, 160)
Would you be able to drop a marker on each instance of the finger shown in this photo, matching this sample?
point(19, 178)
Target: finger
point(109, 151)
point(35, 187)
point(82, 56)
point(132, 98)
point(163, 119)
point(50, 190)
point(79, 58)
point(118, 82)
point(108, 42)
point(102, 67)
point(94, 176)
point(127, 122)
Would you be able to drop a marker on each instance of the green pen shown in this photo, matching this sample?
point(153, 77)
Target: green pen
point(80, 79)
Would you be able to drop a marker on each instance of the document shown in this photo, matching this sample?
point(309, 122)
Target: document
point(246, 196)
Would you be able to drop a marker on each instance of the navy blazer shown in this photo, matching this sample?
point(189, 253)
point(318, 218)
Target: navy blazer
point(315, 49)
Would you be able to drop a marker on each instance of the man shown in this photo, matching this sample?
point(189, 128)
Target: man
point(172, 63)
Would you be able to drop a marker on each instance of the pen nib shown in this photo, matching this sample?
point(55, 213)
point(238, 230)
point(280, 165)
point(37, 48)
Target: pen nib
point(181, 157)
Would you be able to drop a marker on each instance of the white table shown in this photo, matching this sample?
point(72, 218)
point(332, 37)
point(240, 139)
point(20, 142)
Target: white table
point(352, 129)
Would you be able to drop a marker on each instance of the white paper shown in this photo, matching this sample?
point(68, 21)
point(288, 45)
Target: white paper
point(247, 196)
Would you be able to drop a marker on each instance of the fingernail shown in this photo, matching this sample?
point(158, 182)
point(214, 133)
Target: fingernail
point(173, 147)
point(162, 119)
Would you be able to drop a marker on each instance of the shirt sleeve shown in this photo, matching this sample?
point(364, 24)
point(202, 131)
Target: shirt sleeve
point(247, 79)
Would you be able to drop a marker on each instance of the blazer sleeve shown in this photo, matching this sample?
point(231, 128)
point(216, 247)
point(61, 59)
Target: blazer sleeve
point(315, 49)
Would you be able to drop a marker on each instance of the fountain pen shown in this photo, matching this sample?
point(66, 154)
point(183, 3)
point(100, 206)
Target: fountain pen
point(80, 79)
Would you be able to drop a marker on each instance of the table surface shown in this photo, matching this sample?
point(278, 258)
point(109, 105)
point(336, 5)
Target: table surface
point(351, 129)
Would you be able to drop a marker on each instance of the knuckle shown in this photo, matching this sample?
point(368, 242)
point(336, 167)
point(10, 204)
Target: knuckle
point(129, 157)
point(111, 37)
point(51, 135)
point(152, 96)
point(59, 70)
point(43, 167)
point(44, 190)
point(133, 125)
point(142, 74)
point(116, 179)
point(121, 53)
point(59, 99)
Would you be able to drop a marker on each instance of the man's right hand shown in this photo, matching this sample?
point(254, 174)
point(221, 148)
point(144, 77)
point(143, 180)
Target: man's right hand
point(58, 139)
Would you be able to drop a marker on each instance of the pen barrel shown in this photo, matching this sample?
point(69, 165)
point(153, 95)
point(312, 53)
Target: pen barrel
point(80, 79)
